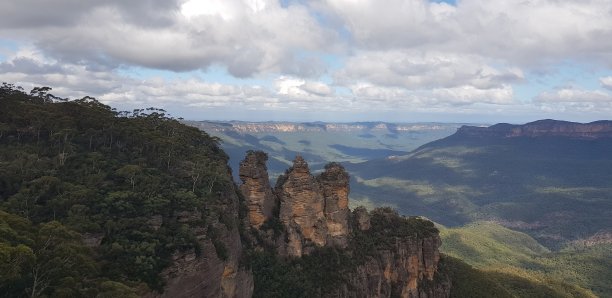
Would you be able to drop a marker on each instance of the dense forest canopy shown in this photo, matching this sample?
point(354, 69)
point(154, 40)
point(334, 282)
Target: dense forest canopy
point(90, 197)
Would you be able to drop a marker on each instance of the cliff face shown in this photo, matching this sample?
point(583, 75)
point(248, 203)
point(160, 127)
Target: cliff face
point(334, 182)
point(542, 128)
point(399, 272)
point(404, 267)
point(256, 189)
point(313, 213)
point(212, 273)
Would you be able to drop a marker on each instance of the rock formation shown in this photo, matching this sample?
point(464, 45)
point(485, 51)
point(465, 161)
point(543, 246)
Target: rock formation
point(334, 182)
point(256, 188)
point(314, 213)
point(301, 208)
point(313, 210)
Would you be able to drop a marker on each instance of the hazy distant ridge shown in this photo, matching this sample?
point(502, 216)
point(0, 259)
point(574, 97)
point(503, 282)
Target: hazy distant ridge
point(271, 127)
point(542, 128)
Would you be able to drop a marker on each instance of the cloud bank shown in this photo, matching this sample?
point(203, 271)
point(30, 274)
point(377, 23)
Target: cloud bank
point(474, 56)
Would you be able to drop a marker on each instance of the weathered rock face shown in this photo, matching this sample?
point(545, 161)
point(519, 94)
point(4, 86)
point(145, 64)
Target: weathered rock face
point(405, 266)
point(256, 188)
point(301, 208)
point(542, 128)
point(399, 272)
point(361, 218)
point(312, 210)
point(334, 182)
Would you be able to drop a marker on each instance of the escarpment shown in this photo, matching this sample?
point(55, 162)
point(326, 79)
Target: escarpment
point(542, 128)
point(391, 255)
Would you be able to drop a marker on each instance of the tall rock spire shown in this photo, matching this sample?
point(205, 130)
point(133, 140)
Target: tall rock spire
point(301, 208)
point(334, 182)
point(256, 188)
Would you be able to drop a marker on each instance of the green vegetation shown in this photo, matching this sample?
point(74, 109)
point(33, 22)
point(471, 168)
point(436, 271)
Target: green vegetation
point(470, 282)
point(387, 226)
point(93, 202)
point(556, 189)
point(309, 276)
point(474, 283)
point(484, 244)
point(515, 259)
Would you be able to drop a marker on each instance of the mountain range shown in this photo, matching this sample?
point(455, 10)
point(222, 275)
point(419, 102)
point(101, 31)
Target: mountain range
point(548, 178)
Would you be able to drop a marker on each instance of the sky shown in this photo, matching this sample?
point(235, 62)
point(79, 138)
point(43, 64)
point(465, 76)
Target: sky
point(319, 60)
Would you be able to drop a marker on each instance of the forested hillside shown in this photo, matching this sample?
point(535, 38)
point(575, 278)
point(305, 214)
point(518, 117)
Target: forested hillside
point(93, 202)
point(552, 183)
point(509, 256)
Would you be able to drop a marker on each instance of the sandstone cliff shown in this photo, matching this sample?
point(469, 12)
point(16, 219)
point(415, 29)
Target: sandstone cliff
point(542, 128)
point(256, 189)
point(397, 266)
point(334, 182)
point(392, 256)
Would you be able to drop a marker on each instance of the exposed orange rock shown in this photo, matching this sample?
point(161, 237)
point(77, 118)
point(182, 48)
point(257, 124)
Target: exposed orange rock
point(256, 188)
point(334, 183)
point(301, 206)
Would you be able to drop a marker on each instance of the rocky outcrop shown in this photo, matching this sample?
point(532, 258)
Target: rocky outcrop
point(361, 218)
point(301, 208)
point(312, 210)
point(256, 188)
point(542, 128)
point(401, 259)
point(334, 182)
point(402, 264)
point(407, 269)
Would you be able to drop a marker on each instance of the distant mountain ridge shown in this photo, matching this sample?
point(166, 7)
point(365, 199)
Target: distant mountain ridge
point(542, 128)
point(273, 126)
point(548, 178)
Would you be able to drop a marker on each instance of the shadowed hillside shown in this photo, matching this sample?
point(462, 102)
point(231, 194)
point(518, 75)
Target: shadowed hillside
point(550, 179)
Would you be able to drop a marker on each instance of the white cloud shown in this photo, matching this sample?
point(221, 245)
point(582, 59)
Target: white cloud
point(469, 95)
point(575, 100)
point(574, 95)
point(417, 70)
point(385, 54)
point(246, 36)
point(295, 87)
point(521, 33)
point(606, 82)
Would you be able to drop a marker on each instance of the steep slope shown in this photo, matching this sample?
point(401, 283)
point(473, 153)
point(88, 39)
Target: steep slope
point(96, 203)
point(548, 178)
point(510, 255)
